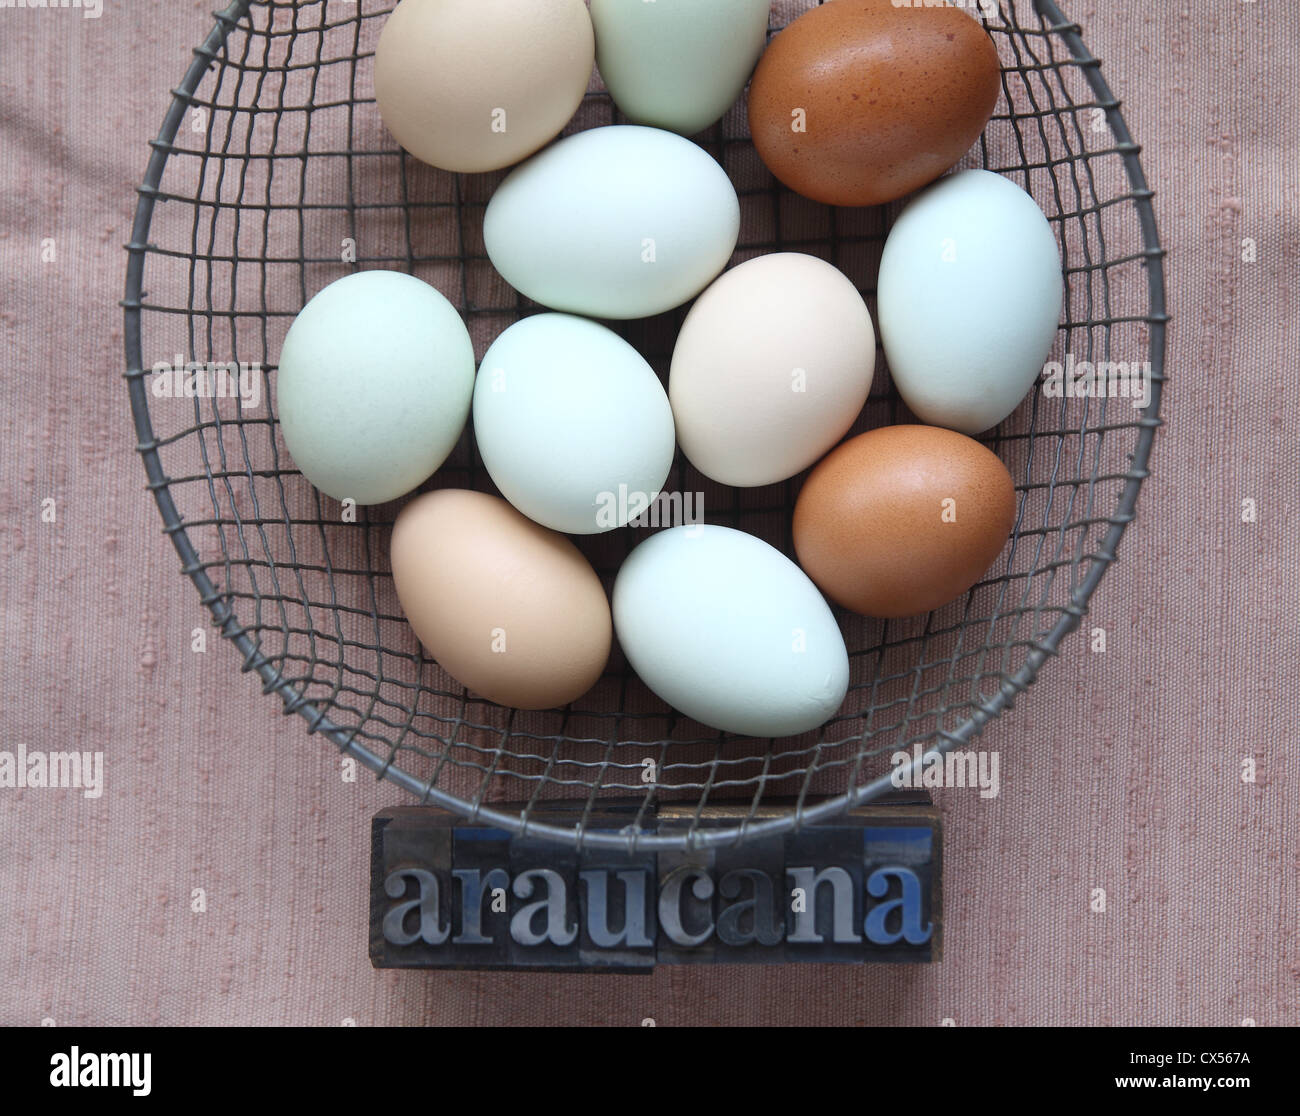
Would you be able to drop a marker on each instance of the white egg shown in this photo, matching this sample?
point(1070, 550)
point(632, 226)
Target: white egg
point(678, 64)
point(573, 425)
point(771, 369)
point(619, 222)
point(729, 631)
point(374, 385)
point(969, 298)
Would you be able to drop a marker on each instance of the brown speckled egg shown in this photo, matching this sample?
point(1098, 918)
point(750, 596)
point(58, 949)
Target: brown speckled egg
point(903, 519)
point(888, 98)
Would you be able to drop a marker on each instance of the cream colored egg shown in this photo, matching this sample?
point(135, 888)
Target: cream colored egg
point(771, 368)
point(477, 85)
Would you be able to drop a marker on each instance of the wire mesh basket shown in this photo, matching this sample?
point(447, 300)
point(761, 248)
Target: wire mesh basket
point(272, 176)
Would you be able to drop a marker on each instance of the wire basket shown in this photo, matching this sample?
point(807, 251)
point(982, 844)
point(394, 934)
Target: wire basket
point(272, 176)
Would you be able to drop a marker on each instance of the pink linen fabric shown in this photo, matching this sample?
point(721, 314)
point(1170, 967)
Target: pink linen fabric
point(1121, 771)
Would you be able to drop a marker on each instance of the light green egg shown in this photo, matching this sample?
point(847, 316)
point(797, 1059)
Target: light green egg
point(374, 386)
point(678, 64)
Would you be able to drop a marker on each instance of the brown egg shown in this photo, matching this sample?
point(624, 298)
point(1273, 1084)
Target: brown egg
point(903, 519)
point(859, 102)
point(508, 608)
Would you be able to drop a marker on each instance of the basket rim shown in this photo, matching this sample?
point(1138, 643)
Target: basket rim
point(631, 838)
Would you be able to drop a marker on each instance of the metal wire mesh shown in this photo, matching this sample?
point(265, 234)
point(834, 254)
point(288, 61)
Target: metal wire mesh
point(273, 176)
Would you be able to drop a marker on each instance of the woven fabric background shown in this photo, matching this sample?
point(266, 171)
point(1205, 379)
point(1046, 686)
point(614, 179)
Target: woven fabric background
point(1120, 770)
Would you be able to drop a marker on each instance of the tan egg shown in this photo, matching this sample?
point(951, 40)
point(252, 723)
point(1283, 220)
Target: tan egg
point(477, 85)
point(903, 519)
point(859, 102)
point(508, 608)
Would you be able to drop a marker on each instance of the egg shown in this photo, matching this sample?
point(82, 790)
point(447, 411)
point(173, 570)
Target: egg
point(509, 609)
point(771, 368)
point(618, 222)
point(573, 425)
point(678, 64)
point(374, 385)
point(476, 85)
point(729, 631)
point(903, 519)
point(859, 102)
point(969, 296)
